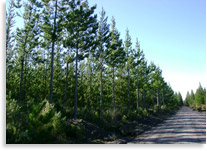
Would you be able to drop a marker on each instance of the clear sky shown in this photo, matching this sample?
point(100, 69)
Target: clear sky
point(172, 34)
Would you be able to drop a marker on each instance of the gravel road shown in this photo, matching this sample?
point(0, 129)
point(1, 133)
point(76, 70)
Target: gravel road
point(185, 127)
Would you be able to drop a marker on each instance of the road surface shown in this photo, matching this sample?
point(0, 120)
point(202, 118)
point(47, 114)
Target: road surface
point(185, 127)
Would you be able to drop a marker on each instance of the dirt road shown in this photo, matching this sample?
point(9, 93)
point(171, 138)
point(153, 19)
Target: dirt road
point(185, 127)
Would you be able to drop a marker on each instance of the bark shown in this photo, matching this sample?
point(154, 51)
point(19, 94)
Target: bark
point(144, 99)
point(137, 90)
point(76, 82)
point(101, 91)
point(129, 89)
point(90, 81)
point(113, 90)
point(153, 104)
point(66, 83)
point(22, 70)
point(158, 99)
point(52, 56)
point(45, 78)
point(21, 79)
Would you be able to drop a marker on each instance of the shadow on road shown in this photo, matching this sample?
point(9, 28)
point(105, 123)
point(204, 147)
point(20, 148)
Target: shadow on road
point(186, 126)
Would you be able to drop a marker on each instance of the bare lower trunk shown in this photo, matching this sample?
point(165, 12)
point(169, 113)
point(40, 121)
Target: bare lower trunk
point(144, 99)
point(113, 90)
point(90, 79)
point(51, 74)
point(76, 82)
point(158, 99)
point(21, 79)
point(101, 93)
point(129, 89)
point(137, 91)
point(153, 104)
point(89, 101)
point(52, 56)
point(66, 83)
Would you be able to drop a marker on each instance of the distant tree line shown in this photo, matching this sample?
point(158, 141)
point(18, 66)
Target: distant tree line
point(196, 100)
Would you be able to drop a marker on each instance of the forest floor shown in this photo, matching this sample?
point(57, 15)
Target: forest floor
point(120, 133)
point(185, 127)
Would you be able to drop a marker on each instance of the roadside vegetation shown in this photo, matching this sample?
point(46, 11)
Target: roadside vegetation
point(197, 100)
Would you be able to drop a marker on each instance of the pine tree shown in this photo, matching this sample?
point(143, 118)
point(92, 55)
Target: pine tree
point(157, 83)
point(139, 58)
point(192, 98)
point(115, 54)
point(103, 40)
point(27, 38)
point(129, 57)
point(199, 96)
point(53, 39)
point(81, 25)
point(10, 22)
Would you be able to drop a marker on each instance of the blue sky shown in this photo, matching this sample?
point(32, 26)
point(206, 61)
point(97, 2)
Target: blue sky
point(172, 34)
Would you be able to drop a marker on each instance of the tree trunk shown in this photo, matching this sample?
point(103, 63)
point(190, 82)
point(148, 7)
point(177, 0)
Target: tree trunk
point(76, 83)
point(52, 56)
point(153, 99)
point(129, 89)
point(45, 78)
point(144, 99)
point(22, 69)
point(158, 101)
point(137, 90)
point(101, 91)
point(21, 79)
point(90, 72)
point(66, 83)
point(113, 90)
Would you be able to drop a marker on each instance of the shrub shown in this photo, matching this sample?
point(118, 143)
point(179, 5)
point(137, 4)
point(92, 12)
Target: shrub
point(203, 107)
point(156, 109)
point(163, 108)
point(144, 112)
point(198, 108)
point(45, 124)
point(75, 131)
point(33, 123)
point(112, 118)
point(16, 121)
point(132, 115)
point(124, 118)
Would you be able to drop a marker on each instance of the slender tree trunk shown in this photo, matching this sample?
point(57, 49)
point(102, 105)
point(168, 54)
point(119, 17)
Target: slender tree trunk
point(153, 99)
point(90, 81)
point(45, 77)
point(113, 90)
point(101, 91)
point(82, 89)
point(66, 83)
point(76, 83)
point(21, 79)
point(144, 99)
point(158, 101)
point(129, 88)
point(22, 70)
point(52, 56)
point(137, 90)
point(163, 98)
